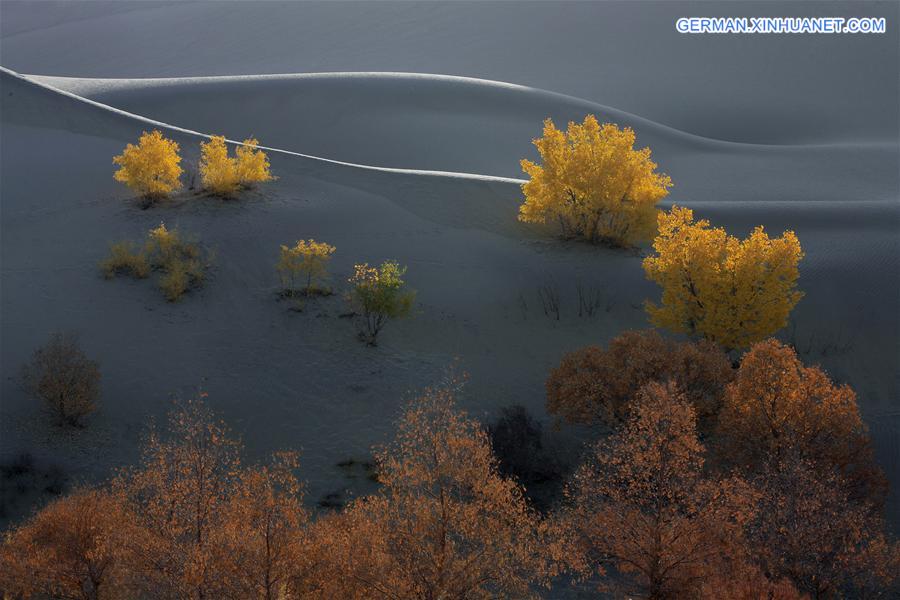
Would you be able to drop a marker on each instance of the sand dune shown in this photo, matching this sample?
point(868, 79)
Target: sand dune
point(769, 89)
point(284, 379)
point(432, 122)
point(385, 119)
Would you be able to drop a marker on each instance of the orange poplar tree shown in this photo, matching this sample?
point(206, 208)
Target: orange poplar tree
point(446, 524)
point(70, 549)
point(810, 530)
point(264, 551)
point(597, 385)
point(776, 407)
point(642, 505)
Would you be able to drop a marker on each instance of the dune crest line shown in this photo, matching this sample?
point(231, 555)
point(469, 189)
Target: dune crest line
point(589, 106)
point(191, 132)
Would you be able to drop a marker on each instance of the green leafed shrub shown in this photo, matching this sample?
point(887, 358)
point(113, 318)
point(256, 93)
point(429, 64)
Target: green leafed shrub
point(379, 294)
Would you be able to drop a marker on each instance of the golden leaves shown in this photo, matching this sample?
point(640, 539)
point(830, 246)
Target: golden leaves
point(224, 175)
point(307, 258)
point(152, 167)
point(593, 183)
point(445, 524)
point(734, 292)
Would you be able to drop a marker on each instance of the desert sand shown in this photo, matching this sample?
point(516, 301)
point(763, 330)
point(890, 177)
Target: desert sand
point(401, 139)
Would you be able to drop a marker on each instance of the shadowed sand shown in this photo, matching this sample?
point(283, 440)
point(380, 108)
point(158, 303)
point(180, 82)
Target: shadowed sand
point(286, 379)
point(426, 174)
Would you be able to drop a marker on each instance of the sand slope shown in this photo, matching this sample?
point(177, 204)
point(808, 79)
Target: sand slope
point(771, 89)
point(432, 122)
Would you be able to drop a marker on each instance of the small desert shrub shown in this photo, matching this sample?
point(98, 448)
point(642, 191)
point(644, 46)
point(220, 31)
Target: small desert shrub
point(125, 259)
point(224, 175)
point(594, 184)
point(379, 294)
point(182, 263)
point(175, 281)
point(152, 167)
point(252, 163)
point(62, 376)
point(305, 262)
point(218, 170)
point(733, 292)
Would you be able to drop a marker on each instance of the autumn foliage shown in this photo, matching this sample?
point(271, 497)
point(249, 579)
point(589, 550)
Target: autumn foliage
point(225, 175)
point(643, 504)
point(218, 171)
point(446, 524)
point(733, 292)
point(189, 521)
point(379, 294)
point(596, 385)
point(777, 408)
point(305, 263)
point(204, 525)
point(73, 548)
point(810, 529)
point(152, 168)
point(593, 183)
point(252, 163)
point(181, 263)
point(646, 515)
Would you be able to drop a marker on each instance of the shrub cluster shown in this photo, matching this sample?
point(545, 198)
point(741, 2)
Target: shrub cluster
point(224, 175)
point(152, 167)
point(645, 515)
point(125, 258)
point(181, 263)
point(376, 295)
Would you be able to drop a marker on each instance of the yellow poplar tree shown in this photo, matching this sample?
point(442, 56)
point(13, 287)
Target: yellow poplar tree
point(218, 171)
point(151, 168)
point(252, 164)
point(307, 259)
point(593, 183)
point(733, 292)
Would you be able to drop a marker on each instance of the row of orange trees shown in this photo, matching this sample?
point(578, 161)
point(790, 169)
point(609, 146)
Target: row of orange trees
point(713, 482)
